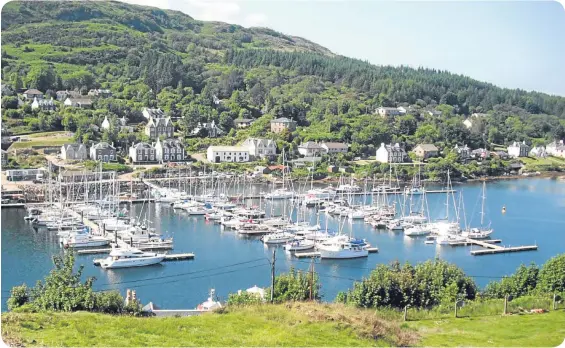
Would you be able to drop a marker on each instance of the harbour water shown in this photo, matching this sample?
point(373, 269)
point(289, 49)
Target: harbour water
point(227, 262)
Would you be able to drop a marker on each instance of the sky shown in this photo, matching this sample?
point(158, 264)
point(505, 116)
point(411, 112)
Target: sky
point(514, 44)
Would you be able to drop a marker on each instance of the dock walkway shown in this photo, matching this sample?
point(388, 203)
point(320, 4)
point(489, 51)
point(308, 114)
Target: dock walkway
point(490, 247)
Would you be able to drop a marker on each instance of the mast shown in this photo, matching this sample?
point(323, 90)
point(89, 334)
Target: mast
point(483, 203)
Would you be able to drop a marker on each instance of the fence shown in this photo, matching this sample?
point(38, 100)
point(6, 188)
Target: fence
point(484, 307)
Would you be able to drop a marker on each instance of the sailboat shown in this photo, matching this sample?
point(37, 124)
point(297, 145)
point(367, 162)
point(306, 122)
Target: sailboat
point(479, 232)
point(416, 188)
point(282, 193)
point(343, 247)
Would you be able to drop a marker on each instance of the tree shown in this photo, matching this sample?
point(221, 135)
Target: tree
point(41, 78)
point(552, 275)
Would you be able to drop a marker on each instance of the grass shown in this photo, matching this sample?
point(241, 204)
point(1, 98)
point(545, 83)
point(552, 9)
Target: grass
point(541, 330)
point(43, 139)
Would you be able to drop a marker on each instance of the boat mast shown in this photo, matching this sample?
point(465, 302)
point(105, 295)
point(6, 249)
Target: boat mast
point(483, 203)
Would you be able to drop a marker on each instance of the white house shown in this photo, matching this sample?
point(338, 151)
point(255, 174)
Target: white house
point(142, 152)
point(391, 153)
point(538, 151)
point(83, 102)
point(170, 150)
point(553, 148)
point(310, 149)
point(153, 113)
point(217, 154)
point(43, 104)
point(331, 148)
point(386, 112)
point(260, 147)
point(77, 152)
point(468, 123)
point(464, 151)
point(105, 124)
point(518, 149)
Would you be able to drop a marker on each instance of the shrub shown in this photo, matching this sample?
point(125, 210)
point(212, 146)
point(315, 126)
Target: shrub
point(552, 275)
point(244, 299)
point(109, 302)
point(18, 297)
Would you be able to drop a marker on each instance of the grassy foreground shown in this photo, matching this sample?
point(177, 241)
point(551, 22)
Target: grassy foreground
point(298, 324)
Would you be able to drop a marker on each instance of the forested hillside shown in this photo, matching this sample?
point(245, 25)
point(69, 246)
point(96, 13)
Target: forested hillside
point(150, 57)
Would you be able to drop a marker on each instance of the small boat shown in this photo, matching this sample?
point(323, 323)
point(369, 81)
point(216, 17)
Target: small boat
point(298, 245)
point(395, 225)
point(417, 230)
point(477, 233)
point(278, 238)
point(210, 304)
point(343, 247)
point(356, 214)
point(130, 257)
point(430, 240)
point(84, 240)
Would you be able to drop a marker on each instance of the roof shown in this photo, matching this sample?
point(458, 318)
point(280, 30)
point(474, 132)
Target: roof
point(76, 173)
point(33, 91)
point(74, 146)
point(310, 145)
point(228, 148)
point(518, 144)
point(387, 108)
point(335, 145)
point(171, 143)
point(427, 147)
point(393, 148)
point(306, 159)
point(257, 141)
point(243, 120)
point(142, 145)
point(159, 122)
point(282, 120)
point(156, 113)
point(82, 100)
point(103, 145)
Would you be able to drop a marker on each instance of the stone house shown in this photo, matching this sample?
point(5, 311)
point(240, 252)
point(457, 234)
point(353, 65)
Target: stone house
point(518, 149)
point(43, 104)
point(242, 122)
point(142, 153)
point(425, 151)
point(157, 127)
point(391, 153)
point(82, 102)
point(153, 113)
point(76, 152)
point(170, 150)
point(211, 129)
point(33, 93)
point(280, 124)
point(103, 152)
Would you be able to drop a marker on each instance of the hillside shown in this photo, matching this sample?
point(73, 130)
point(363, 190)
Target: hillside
point(299, 324)
point(210, 71)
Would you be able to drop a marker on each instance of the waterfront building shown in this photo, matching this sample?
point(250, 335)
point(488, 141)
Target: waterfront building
point(170, 150)
point(103, 152)
point(75, 152)
point(218, 154)
point(391, 153)
point(518, 149)
point(260, 148)
point(142, 153)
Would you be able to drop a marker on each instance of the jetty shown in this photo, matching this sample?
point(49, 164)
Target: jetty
point(490, 246)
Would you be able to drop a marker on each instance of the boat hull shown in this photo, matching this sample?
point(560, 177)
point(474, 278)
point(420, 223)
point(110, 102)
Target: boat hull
point(146, 261)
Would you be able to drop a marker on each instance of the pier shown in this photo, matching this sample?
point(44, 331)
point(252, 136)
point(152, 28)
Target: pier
point(490, 247)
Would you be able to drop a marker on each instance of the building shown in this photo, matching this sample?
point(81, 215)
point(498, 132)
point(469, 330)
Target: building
point(153, 113)
point(260, 148)
point(261, 170)
point(242, 122)
point(43, 104)
point(33, 93)
point(518, 149)
point(425, 151)
point(468, 123)
point(4, 157)
point(310, 149)
point(434, 113)
point(478, 115)
point(159, 127)
point(170, 150)
point(552, 149)
point(280, 124)
point(103, 93)
point(403, 110)
point(479, 154)
point(210, 129)
point(538, 151)
point(103, 152)
point(142, 153)
point(391, 153)
point(500, 154)
point(218, 154)
point(63, 95)
point(332, 148)
point(25, 174)
point(105, 124)
point(82, 102)
point(387, 112)
point(464, 151)
point(75, 152)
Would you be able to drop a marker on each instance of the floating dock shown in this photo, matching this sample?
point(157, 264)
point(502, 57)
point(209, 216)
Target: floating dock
point(491, 247)
point(490, 241)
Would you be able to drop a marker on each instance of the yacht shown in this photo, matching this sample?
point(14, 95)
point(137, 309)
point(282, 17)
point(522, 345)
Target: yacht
point(447, 239)
point(414, 219)
point(395, 225)
point(356, 214)
point(130, 257)
point(348, 188)
point(414, 191)
point(84, 240)
point(210, 304)
point(299, 245)
point(342, 247)
point(278, 238)
point(281, 193)
point(417, 230)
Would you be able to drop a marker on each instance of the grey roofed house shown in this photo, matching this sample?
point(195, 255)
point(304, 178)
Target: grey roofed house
point(33, 93)
point(83, 102)
point(74, 152)
point(282, 120)
point(62, 95)
point(428, 147)
point(103, 152)
point(153, 113)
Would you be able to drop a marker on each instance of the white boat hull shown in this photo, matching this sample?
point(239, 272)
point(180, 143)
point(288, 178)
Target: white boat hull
point(343, 254)
point(134, 262)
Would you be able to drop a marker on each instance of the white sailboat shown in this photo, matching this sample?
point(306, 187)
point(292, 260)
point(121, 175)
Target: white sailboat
point(479, 232)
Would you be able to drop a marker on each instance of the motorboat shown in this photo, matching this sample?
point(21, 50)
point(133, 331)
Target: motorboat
point(299, 245)
point(414, 191)
point(130, 257)
point(395, 225)
point(323, 193)
point(417, 230)
point(348, 188)
point(356, 214)
point(84, 240)
point(342, 247)
point(195, 210)
point(278, 238)
point(414, 219)
point(447, 239)
point(210, 304)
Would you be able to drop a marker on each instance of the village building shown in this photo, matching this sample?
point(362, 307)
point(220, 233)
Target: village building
point(43, 104)
point(260, 148)
point(103, 93)
point(310, 149)
point(32, 93)
point(280, 124)
point(74, 152)
point(555, 148)
point(479, 154)
point(159, 127)
point(464, 152)
point(518, 149)
point(501, 154)
point(209, 129)
point(387, 112)
point(426, 151)
point(105, 124)
point(25, 174)
point(142, 153)
point(153, 113)
point(82, 102)
point(218, 154)
point(4, 157)
point(103, 152)
point(63, 95)
point(170, 150)
point(538, 151)
point(242, 122)
point(333, 148)
point(391, 153)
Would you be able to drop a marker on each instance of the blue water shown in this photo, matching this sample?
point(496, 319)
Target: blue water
point(228, 262)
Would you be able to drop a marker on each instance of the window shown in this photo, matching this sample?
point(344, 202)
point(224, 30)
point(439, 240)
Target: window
point(99, 157)
point(179, 157)
point(111, 157)
point(166, 157)
point(152, 157)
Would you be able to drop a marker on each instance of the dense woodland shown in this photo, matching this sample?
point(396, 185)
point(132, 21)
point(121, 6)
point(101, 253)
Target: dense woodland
point(155, 58)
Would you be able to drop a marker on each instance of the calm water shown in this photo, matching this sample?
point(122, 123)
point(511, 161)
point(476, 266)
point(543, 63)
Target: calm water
point(228, 262)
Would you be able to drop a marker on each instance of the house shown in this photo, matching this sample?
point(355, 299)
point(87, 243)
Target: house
point(212, 131)
point(478, 115)
point(280, 124)
point(142, 153)
point(518, 149)
point(33, 93)
point(434, 113)
point(218, 154)
point(331, 148)
point(503, 155)
point(261, 170)
point(103, 152)
point(104, 93)
point(464, 151)
point(515, 167)
point(386, 112)
point(63, 95)
point(425, 151)
point(260, 147)
point(4, 157)
point(153, 113)
point(468, 123)
point(552, 148)
point(479, 154)
point(157, 127)
point(77, 152)
point(170, 150)
point(242, 122)
point(216, 100)
point(123, 125)
point(105, 124)
point(310, 149)
point(25, 174)
point(82, 102)
point(43, 104)
point(538, 151)
point(391, 153)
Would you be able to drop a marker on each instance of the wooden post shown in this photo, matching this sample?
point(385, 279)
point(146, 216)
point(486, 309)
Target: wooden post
point(406, 313)
point(311, 278)
point(554, 306)
point(456, 308)
point(505, 304)
point(273, 277)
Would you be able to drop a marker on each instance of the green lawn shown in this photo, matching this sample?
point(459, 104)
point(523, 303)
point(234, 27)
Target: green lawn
point(541, 330)
point(43, 139)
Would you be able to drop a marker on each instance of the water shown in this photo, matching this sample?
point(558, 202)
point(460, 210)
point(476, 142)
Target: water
point(228, 262)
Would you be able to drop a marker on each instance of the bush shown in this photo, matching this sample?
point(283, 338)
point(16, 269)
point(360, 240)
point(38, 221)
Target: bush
point(522, 282)
point(18, 297)
point(552, 275)
point(244, 299)
point(109, 302)
point(295, 286)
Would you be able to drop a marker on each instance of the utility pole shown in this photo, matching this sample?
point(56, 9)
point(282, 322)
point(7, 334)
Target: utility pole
point(273, 276)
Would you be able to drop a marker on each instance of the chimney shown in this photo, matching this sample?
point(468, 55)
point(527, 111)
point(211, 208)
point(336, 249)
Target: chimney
point(382, 144)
